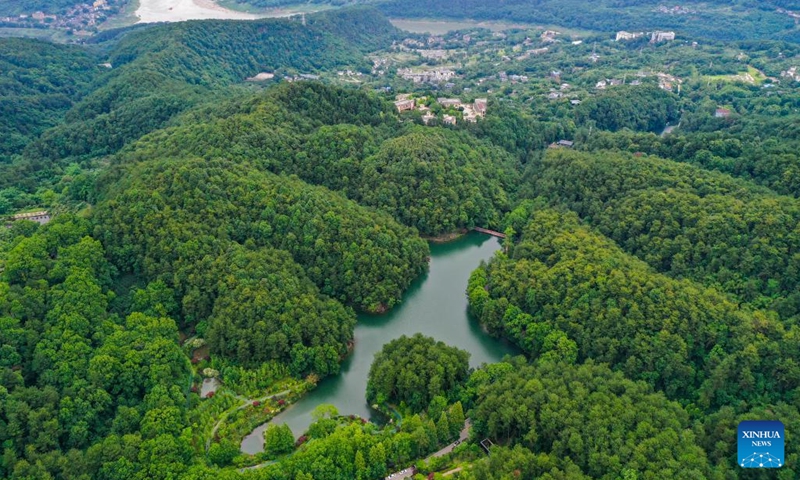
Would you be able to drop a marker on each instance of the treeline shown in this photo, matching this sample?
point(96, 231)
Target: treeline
point(685, 221)
point(435, 180)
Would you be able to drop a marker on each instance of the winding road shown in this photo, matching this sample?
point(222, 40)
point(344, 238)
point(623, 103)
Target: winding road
point(247, 403)
point(409, 472)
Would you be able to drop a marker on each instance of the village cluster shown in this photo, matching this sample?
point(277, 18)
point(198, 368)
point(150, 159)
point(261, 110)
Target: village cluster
point(80, 19)
point(469, 111)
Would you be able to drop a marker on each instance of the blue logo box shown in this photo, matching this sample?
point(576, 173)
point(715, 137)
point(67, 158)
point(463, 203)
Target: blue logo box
point(761, 444)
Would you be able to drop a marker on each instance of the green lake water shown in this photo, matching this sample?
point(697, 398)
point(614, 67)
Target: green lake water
point(435, 305)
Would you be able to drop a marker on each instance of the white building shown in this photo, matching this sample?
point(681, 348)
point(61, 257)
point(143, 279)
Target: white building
point(623, 35)
point(656, 37)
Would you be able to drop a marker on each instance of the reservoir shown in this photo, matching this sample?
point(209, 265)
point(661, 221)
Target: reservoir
point(435, 305)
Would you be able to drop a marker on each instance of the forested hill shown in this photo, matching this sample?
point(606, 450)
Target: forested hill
point(719, 19)
point(40, 82)
point(435, 180)
point(161, 71)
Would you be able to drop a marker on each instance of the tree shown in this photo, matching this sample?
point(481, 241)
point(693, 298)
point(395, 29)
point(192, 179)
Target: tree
point(377, 460)
point(360, 465)
point(456, 417)
point(443, 428)
point(223, 453)
point(537, 407)
point(414, 370)
point(278, 440)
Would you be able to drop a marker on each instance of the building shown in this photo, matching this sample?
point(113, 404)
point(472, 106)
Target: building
point(480, 106)
point(430, 76)
point(405, 105)
point(549, 36)
point(428, 118)
point(668, 82)
point(40, 217)
point(437, 54)
point(449, 120)
point(623, 35)
point(575, 102)
point(722, 113)
point(562, 144)
point(656, 37)
point(261, 77)
point(449, 102)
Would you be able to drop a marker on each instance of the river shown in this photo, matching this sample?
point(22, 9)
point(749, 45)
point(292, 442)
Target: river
point(150, 11)
point(435, 305)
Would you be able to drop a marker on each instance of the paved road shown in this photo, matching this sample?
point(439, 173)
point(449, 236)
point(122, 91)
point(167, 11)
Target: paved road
point(409, 472)
point(461, 437)
point(247, 403)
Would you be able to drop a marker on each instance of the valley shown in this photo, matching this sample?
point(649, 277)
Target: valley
point(254, 245)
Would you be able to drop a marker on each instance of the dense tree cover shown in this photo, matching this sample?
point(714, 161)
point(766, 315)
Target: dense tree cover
point(762, 148)
point(566, 292)
point(164, 70)
point(435, 180)
point(212, 222)
point(166, 218)
point(414, 370)
point(266, 309)
point(646, 108)
point(84, 391)
point(517, 133)
point(583, 422)
point(713, 19)
point(41, 82)
point(685, 221)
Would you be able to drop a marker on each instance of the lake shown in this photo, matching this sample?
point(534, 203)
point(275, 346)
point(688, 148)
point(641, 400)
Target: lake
point(435, 305)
